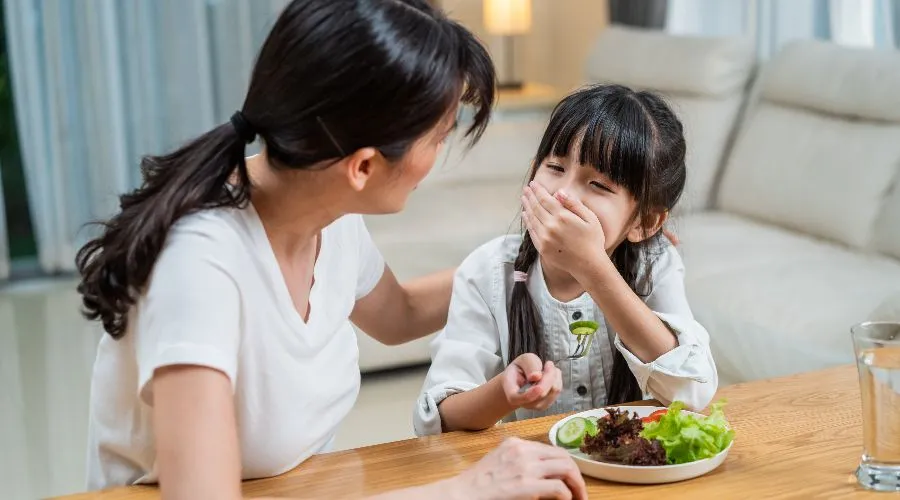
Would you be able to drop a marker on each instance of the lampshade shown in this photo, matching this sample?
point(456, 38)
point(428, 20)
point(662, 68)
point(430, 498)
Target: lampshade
point(507, 17)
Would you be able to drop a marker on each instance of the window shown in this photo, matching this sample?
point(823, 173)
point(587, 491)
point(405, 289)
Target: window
point(20, 233)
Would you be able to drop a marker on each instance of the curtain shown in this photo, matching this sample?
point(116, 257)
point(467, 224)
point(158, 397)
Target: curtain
point(641, 13)
point(773, 23)
point(887, 25)
point(100, 83)
point(4, 244)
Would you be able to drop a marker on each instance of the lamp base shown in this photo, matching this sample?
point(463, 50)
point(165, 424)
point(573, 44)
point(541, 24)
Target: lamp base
point(510, 85)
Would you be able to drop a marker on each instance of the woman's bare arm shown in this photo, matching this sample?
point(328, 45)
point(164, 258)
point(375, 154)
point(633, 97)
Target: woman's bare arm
point(394, 313)
point(197, 449)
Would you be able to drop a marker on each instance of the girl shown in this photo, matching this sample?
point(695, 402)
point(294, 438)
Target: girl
point(608, 170)
point(227, 285)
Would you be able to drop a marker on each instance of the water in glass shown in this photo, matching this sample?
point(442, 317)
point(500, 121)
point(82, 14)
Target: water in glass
point(877, 348)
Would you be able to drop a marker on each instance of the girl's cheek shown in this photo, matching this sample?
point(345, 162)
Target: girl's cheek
point(612, 231)
point(541, 181)
point(598, 210)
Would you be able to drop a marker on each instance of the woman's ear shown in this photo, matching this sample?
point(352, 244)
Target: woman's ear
point(360, 166)
point(650, 225)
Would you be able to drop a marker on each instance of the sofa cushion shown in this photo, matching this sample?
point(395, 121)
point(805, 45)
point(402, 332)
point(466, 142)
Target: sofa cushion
point(777, 302)
point(707, 129)
point(702, 78)
point(822, 147)
point(852, 82)
point(504, 153)
point(442, 224)
point(712, 67)
point(820, 174)
point(373, 356)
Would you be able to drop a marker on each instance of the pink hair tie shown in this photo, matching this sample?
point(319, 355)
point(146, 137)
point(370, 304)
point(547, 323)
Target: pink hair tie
point(520, 277)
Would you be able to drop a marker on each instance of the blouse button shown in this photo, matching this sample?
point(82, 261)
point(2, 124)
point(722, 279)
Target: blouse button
point(576, 315)
point(582, 390)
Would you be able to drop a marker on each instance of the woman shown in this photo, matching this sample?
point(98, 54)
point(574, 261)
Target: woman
point(226, 284)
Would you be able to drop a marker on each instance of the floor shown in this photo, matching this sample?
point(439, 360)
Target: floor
point(46, 354)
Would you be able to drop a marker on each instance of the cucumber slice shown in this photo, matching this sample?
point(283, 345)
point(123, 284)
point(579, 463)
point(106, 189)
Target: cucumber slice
point(571, 434)
point(583, 327)
point(591, 429)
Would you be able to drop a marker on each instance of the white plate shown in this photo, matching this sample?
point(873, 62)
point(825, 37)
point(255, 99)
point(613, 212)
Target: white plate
point(654, 474)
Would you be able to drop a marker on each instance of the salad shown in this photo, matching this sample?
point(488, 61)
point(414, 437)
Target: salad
point(665, 437)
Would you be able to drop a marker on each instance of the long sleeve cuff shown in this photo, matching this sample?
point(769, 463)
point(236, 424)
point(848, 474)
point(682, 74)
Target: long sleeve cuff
point(426, 417)
point(685, 373)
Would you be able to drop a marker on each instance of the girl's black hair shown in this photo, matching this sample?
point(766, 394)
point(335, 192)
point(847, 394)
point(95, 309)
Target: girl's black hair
point(333, 76)
point(636, 140)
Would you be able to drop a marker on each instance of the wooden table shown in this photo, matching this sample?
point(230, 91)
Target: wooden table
point(796, 437)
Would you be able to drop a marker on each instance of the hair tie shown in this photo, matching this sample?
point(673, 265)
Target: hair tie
point(244, 129)
point(520, 277)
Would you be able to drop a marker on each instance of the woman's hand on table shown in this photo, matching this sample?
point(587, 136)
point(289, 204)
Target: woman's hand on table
point(520, 469)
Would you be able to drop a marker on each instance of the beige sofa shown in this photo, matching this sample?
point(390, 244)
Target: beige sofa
point(790, 224)
point(804, 240)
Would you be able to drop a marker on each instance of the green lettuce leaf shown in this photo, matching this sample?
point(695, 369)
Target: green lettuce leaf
point(687, 438)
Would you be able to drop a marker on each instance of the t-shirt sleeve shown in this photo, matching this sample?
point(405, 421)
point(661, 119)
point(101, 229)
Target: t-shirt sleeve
point(190, 313)
point(371, 262)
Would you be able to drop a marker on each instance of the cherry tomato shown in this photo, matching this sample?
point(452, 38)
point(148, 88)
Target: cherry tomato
point(653, 417)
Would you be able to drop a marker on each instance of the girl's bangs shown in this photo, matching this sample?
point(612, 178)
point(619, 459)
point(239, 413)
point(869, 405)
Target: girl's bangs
point(610, 137)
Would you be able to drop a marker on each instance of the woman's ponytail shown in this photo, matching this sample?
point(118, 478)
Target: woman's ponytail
point(116, 265)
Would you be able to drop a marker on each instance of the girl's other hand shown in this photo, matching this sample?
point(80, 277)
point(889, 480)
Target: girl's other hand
point(528, 368)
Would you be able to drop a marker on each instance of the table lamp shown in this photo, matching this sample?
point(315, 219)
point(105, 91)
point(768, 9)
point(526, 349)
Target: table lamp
point(508, 18)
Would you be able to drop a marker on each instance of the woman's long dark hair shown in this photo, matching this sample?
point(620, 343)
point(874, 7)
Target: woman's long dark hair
point(637, 141)
point(333, 76)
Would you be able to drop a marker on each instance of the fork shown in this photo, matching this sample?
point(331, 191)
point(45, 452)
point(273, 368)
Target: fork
point(581, 350)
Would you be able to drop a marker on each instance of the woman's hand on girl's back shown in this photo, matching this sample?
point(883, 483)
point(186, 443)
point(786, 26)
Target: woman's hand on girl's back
point(672, 237)
point(528, 368)
point(520, 469)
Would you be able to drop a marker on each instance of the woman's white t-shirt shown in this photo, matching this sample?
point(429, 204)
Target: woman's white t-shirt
point(217, 298)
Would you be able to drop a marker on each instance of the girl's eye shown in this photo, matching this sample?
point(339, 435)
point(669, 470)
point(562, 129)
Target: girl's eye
point(556, 168)
point(602, 187)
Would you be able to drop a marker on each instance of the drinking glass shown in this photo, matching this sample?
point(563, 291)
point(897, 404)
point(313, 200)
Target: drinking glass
point(877, 347)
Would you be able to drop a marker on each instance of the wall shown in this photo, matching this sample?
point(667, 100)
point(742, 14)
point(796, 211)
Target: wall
point(555, 50)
